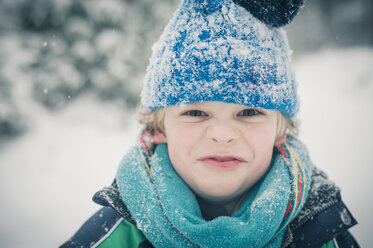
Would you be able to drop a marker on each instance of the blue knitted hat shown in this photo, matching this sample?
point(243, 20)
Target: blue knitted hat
point(216, 50)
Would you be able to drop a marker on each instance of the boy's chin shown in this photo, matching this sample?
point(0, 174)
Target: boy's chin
point(222, 197)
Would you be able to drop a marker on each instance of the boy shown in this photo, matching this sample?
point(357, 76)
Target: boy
point(215, 165)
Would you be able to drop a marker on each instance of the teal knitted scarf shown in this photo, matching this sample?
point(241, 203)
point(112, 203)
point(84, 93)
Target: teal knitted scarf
point(167, 212)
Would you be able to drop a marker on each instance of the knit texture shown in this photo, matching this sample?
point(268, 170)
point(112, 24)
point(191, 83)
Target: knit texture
point(218, 51)
point(167, 212)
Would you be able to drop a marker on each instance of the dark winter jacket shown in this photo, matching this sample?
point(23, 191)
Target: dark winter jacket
point(323, 222)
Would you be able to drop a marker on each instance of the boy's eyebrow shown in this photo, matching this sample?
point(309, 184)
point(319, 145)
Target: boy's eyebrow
point(189, 104)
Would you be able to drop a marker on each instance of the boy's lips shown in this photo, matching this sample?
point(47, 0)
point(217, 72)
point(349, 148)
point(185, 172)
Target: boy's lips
point(226, 161)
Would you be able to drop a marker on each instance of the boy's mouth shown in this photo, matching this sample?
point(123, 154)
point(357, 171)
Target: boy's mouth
point(221, 161)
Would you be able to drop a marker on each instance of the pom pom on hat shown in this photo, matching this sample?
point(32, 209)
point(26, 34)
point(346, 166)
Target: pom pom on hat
point(275, 13)
point(218, 51)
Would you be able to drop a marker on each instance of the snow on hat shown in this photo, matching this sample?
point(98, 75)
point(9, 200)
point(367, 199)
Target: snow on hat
point(216, 50)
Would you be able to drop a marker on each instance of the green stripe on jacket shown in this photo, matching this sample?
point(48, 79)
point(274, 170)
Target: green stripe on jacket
point(124, 235)
point(330, 244)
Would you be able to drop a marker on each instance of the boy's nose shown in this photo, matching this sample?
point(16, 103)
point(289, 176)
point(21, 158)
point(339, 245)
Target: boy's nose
point(221, 132)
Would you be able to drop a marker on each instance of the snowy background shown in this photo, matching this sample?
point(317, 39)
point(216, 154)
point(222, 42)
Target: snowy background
point(70, 73)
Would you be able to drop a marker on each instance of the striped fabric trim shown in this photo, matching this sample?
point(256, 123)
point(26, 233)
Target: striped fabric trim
point(145, 151)
point(298, 184)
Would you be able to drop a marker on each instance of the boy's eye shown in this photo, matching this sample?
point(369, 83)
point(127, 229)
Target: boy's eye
point(195, 113)
point(249, 112)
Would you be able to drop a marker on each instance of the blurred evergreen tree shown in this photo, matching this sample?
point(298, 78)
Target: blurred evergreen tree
point(332, 23)
point(11, 122)
point(96, 47)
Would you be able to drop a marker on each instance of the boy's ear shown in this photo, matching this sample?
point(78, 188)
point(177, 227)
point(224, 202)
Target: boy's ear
point(159, 137)
point(280, 140)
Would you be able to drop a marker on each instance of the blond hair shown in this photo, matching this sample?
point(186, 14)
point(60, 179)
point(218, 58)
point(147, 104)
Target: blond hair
point(155, 119)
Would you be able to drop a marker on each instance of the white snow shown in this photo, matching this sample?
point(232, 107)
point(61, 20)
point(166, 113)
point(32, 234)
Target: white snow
point(49, 174)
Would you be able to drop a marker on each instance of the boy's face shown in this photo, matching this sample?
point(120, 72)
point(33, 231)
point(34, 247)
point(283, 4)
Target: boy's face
point(220, 150)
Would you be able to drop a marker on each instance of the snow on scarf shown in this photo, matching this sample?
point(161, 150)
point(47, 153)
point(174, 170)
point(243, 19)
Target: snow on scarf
point(167, 212)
